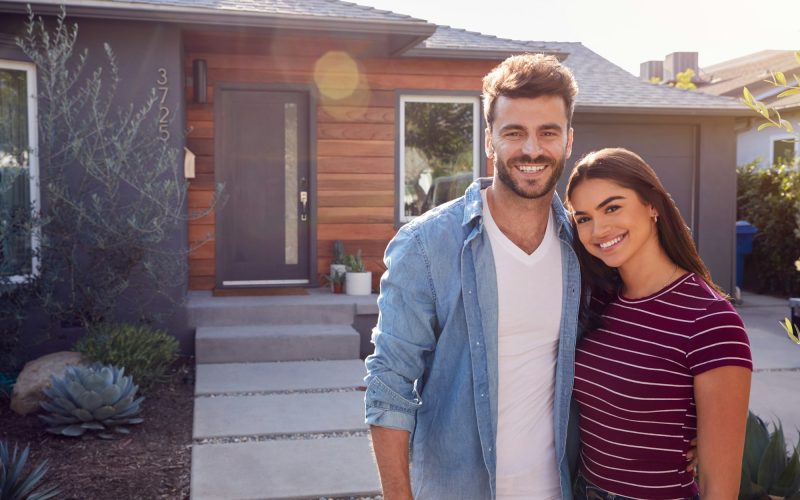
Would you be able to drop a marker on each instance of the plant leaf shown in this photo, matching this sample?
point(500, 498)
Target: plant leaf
point(774, 460)
point(779, 77)
point(766, 125)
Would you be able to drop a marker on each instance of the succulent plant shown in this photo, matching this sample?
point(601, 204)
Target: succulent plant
point(767, 471)
point(94, 398)
point(14, 485)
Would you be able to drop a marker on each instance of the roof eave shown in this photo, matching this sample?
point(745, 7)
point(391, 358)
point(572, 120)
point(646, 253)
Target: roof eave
point(661, 110)
point(418, 30)
point(446, 53)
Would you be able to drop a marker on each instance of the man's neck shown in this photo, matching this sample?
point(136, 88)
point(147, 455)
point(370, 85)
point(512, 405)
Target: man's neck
point(521, 220)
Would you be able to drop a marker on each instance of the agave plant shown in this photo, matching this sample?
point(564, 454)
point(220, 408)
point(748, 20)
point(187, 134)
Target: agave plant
point(767, 471)
point(14, 485)
point(94, 398)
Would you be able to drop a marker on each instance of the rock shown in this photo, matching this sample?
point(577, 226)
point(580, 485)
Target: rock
point(35, 376)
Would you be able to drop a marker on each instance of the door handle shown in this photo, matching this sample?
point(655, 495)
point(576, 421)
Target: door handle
point(304, 202)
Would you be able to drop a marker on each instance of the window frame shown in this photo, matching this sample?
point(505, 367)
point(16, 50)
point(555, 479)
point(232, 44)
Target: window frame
point(33, 163)
point(433, 96)
point(781, 138)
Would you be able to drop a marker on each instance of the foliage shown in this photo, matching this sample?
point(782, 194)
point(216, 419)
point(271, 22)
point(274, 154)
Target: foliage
point(94, 398)
point(769, 198)
point(354, 263)
point(683, 80)
point(14, 483)
point(338, 252)
point(14, 300)
point(766, 469)
point(113, 194)
point(145, 352)
point(772, 118)
point(793, 331)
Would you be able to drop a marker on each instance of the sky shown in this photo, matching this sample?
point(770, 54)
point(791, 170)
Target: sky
point(626, 32)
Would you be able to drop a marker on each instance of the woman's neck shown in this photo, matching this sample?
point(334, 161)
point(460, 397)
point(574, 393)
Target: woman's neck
point(644, 277)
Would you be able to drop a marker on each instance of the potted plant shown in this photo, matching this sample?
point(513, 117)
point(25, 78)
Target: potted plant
point(338, 266)
point(336, 279)
point(767, 470)
point(357, 281)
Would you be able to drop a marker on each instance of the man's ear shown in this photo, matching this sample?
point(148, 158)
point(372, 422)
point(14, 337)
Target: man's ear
point(487, 140)
point(568, 149)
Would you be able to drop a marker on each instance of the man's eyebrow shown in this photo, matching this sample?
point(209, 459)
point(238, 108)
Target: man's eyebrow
point(601, 205)
point(550, 126)
point(511, 126)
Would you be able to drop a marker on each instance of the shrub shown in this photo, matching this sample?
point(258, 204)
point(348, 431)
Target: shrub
point(769, 198)
point(14, 484)
point(144, 351)
point(94, 398)
point(766, 469)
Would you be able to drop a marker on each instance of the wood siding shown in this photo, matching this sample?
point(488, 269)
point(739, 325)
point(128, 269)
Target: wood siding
point(355, 131)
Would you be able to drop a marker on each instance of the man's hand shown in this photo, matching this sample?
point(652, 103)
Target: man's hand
point(391, 454)
point(691, 456)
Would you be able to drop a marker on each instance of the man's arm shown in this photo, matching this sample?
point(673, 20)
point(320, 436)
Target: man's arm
point(391, 452)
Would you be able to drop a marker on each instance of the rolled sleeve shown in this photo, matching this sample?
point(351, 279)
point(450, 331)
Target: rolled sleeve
point(403, 337)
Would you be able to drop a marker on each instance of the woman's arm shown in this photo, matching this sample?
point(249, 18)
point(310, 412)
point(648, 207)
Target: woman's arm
point(722, 396)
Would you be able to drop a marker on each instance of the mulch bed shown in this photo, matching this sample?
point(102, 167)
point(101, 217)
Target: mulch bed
point(152, 462)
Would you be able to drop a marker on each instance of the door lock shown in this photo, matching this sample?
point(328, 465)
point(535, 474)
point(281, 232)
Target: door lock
point(304, 201)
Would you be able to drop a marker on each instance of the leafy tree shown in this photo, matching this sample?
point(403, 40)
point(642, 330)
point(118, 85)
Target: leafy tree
point(113, 195)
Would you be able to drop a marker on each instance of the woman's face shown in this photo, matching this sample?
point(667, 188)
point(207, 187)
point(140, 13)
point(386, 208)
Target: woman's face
point(613, 223)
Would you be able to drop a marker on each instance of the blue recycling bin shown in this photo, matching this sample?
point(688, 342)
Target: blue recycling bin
point(745, 232)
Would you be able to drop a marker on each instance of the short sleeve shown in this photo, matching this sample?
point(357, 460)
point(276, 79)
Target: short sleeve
point(719, 340)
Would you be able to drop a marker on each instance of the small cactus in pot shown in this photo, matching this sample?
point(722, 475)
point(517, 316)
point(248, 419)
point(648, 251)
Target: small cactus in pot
point(94, 398)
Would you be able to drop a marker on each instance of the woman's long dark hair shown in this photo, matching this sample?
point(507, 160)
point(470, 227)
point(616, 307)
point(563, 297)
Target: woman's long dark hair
point(629, 170)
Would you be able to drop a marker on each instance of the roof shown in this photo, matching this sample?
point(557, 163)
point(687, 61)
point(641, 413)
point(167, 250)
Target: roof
point(604, 87)
point(751, 71)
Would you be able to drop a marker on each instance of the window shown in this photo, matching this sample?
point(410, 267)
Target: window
point(438, 150)
point(18, 170)
point(783, 151)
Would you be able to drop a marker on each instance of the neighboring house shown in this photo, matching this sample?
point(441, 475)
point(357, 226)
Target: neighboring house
point(771, 145)
point(313, 114)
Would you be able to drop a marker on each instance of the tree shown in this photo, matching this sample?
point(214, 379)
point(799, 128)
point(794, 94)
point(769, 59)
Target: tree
point(113, 193)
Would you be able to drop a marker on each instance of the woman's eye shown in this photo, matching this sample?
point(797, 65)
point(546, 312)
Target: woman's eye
point(581, 219)
point(612, 208)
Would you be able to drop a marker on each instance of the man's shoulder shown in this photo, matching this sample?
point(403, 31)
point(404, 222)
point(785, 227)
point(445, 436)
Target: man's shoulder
point(445, 218)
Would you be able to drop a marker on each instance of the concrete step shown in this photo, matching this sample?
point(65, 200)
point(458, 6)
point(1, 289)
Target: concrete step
point(278, 414)
point(222, 378)
point(313, 468)
point(315, 308)
point(260, 343)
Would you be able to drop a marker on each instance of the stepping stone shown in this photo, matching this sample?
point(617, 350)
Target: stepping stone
point(284, 469)
point(226, 416)
point(217, 378)
point(260, 343)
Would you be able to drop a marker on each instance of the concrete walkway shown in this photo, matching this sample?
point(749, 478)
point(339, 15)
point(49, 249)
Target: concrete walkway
point(776, 362)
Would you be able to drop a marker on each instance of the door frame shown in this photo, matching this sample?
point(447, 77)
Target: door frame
point(310, 93)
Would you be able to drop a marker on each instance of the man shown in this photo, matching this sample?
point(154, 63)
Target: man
point(475, 341)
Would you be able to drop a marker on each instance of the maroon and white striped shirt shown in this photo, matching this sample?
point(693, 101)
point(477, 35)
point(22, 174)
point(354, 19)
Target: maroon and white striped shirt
point(634, 385)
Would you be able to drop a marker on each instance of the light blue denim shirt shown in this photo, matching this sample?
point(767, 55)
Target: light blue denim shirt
point(434, 370)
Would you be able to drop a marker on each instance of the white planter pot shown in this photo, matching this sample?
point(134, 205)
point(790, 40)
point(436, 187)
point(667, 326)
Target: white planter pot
point(358, 283)
point(337, 268)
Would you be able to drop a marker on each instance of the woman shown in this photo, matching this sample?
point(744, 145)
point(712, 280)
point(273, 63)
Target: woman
point(665, 358)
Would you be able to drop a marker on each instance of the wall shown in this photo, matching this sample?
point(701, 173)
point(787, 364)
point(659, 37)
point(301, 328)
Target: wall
point(752, 144)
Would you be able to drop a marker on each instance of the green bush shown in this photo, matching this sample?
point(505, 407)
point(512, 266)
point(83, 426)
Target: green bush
point(144, 352)
point(769, 198)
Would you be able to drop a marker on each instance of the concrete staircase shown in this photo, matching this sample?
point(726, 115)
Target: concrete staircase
point(279, 399)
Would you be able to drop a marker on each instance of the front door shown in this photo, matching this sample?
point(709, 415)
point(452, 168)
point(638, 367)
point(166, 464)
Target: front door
point(262, 158)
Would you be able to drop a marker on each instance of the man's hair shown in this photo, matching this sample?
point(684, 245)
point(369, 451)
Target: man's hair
point(529, 75)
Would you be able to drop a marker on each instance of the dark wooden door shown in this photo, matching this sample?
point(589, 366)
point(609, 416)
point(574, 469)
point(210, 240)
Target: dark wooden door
point(262, 158)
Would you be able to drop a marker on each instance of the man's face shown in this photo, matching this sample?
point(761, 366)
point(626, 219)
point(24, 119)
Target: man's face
point(529, 142)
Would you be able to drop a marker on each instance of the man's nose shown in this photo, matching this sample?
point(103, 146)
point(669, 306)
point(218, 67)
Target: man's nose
point(531, 146)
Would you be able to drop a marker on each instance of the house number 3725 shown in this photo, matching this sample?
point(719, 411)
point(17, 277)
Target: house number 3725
point(162, 90)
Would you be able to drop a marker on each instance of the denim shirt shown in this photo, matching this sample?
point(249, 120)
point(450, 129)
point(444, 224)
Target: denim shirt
point(434, 369)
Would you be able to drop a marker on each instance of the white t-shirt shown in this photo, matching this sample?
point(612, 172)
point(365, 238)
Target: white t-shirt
point(529, 316)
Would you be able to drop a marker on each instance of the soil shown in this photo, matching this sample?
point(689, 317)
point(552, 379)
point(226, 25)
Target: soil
point(152, 462)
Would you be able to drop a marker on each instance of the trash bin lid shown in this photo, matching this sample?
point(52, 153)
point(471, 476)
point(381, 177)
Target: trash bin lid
point(744, 227)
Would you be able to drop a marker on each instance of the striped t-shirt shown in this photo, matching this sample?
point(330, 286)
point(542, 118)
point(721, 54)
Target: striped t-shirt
point(633, 385)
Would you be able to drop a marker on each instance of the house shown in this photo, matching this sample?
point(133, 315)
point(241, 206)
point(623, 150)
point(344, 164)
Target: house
point(772, 145)
point(313, 113)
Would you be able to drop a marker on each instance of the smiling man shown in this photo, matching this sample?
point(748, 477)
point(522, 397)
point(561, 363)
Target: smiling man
point(475, 341)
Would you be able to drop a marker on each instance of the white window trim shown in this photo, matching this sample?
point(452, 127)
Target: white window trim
point(476, 134)
point(777, 138)
point(33, 159)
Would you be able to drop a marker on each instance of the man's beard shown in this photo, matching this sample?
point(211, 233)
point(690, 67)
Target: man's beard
point(540, 187)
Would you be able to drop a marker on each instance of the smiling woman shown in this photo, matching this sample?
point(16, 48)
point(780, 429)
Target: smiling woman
point(665, 358)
